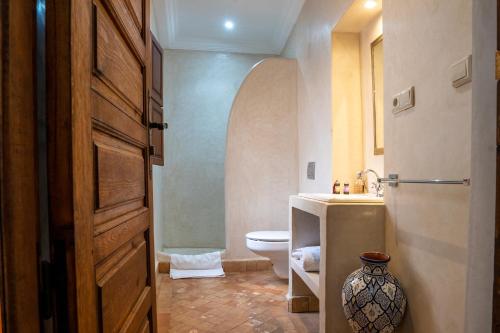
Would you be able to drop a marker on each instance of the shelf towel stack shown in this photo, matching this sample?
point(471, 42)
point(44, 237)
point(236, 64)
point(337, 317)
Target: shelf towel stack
point(309, 257)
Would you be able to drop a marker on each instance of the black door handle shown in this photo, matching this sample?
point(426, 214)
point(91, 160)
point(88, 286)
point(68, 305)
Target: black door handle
point(159, 126)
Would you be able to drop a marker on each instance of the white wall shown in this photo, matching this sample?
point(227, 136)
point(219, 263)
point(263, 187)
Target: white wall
point(261, 157)
point(310, 44)
point(371, 32)
point(479, 293)
point(199, 91)
point(427, 227)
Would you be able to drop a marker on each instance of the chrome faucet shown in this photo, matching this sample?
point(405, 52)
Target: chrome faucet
point(379, 188)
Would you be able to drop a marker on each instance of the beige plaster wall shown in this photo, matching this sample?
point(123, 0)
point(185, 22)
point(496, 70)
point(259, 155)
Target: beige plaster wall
point(310, 43)
point(427, 227)
point(347, 113)
point(371, 32)
point(478, 314)
point(261, 153)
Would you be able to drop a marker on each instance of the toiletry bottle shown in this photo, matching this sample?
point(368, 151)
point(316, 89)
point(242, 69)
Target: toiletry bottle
point(336, 187)
point(359, 184)
point(346, 188)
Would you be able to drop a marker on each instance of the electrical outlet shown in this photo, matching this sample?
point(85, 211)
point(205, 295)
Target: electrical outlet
point(404, 100)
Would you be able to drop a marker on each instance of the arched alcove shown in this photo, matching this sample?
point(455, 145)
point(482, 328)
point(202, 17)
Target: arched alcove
point(261, 166)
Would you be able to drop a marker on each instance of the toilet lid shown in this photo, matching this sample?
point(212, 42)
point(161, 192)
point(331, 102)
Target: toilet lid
point(269, 236)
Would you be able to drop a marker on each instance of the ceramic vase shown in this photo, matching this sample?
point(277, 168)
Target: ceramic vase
point(372, 297)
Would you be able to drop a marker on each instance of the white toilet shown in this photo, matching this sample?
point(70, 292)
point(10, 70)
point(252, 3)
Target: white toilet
point(272, 245)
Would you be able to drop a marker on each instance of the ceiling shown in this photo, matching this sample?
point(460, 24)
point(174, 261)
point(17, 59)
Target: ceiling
point(260, 26)
point(357, 17)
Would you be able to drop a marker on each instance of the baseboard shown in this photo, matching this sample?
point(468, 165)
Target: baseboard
point(246, 265)
point(231, 265)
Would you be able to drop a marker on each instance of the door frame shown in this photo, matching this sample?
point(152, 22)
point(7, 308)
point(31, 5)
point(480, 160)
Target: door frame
point(18, 169)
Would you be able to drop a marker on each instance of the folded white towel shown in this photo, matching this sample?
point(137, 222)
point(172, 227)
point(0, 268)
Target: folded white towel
point(195, 273)
point(309, 256)
point(297, 254)
point(196, 266)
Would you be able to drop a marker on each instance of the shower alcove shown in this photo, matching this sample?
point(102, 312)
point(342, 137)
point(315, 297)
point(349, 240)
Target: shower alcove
point(259, 164)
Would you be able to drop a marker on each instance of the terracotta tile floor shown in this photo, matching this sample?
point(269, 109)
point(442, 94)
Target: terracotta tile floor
point(240, 302)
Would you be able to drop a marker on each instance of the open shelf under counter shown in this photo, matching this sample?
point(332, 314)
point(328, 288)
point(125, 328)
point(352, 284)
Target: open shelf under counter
point(343, 231)
point(311, 279)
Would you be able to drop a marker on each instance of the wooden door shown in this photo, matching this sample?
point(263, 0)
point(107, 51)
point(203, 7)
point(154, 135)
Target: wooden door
point(157, 137)
point(18, 170)
point(156, 102)
point(157, 71)
point(100, 175)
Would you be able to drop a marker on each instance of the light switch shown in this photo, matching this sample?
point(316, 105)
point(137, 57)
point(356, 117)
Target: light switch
point(311, 170)
point(461, 72)
point(404, 100)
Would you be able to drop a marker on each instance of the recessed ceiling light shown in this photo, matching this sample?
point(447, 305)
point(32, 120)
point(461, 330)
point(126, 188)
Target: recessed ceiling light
point(229, 25)
point(370, 4)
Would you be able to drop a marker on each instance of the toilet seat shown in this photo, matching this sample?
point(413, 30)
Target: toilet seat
point(273, 245)
point(265, 247)
point(269, 236)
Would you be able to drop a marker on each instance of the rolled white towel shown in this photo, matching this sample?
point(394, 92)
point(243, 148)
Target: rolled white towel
point(310, 258)
point(297, 254)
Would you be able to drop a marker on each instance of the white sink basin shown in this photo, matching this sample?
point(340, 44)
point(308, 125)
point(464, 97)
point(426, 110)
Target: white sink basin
point(343, 198)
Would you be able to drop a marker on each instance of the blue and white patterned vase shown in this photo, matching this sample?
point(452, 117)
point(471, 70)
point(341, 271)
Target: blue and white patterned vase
point(372, 297)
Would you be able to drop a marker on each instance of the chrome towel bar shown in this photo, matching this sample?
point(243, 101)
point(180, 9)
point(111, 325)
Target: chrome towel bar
point(394, 181)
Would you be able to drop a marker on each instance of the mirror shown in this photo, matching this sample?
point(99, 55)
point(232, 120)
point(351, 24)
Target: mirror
point(378, 94)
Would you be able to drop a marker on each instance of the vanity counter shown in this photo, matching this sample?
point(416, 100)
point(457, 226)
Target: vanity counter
point(343, 230)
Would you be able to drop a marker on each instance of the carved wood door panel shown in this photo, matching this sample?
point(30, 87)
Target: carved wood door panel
point(156, 102)
point(103, 200)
